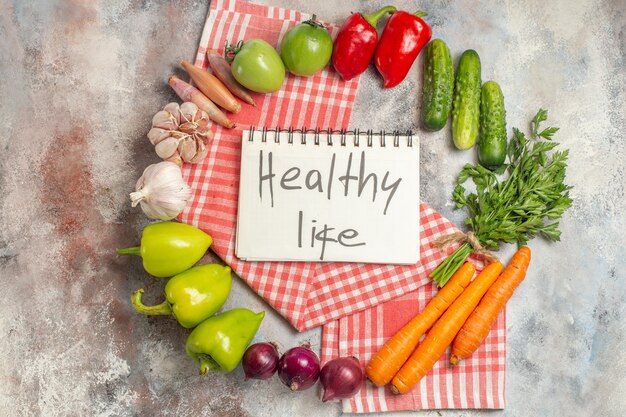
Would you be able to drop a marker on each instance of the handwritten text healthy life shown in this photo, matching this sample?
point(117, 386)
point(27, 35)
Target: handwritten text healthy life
point(352, 180)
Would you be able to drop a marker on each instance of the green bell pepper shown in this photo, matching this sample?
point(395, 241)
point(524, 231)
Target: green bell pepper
point(219, 342)
point(169, 248)
point(191, 296)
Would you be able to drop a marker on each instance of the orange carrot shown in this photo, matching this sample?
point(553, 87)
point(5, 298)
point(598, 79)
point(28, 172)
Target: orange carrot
point(442, 333)
point(212, 87)
point(479, 323)
point(222, 70)
point(388, 360)
point(188, 92)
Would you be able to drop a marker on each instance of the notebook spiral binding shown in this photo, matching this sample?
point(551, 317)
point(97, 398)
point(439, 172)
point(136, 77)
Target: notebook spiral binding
point(328, 134)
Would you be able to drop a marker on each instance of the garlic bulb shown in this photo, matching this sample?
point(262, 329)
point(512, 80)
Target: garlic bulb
point(161, 191)
point(180, 133)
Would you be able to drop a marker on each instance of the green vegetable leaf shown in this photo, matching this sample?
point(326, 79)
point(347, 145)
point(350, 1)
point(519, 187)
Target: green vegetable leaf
point(529, 200)
point(541, 116)
point(551, 231)
point(525, 204)
point(500, 170)
point(548, 132)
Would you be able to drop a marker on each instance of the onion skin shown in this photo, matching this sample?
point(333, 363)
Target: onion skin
point(341, 378)
point(299, 368)
point(260, 361)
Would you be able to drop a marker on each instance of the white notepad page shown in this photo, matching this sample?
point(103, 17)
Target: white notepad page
point(318, 197)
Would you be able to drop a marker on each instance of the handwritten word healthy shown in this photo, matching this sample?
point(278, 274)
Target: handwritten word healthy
point(294, 179)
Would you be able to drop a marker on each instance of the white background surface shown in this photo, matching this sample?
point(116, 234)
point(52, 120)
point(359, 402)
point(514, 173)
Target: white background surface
point(80, 82)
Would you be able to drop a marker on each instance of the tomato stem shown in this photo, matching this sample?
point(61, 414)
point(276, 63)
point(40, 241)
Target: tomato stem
point(230, 51)
point(313, 22)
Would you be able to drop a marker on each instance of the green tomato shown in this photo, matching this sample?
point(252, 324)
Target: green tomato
point(257, 66)
point(306, 48)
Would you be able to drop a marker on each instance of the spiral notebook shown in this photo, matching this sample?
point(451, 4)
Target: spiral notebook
point(325, 195)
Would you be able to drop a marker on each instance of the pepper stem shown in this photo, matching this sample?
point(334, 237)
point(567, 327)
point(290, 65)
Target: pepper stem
point(420, 13)
point(373, 18)
point(207, 363)
point(135, 250)
point(163, 309)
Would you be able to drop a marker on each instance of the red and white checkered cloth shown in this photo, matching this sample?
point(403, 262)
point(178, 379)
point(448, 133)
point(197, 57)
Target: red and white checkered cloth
point(478, 382)
point(310, 294)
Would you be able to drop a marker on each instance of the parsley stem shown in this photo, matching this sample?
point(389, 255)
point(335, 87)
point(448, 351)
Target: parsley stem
point(449, 266)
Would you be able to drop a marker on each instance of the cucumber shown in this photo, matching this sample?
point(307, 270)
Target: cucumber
point(466, 105)
point(438, 85)
point(492, 144)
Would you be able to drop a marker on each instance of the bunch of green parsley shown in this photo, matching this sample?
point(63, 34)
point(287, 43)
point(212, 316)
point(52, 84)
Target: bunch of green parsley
point(527, 203)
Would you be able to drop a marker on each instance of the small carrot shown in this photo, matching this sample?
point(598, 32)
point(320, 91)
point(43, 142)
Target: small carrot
point(388, 360)
point(479, 323)
point(443, 331)
point(212, 87)
point(188, 92)
point(222, 70)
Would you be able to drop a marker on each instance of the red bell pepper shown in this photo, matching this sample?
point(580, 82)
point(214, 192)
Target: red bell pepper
point(356, 42)
point(402, 40)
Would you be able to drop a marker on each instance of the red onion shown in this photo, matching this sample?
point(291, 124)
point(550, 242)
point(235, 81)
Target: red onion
point(341, 378)
point(299, 368)
point(260, 360)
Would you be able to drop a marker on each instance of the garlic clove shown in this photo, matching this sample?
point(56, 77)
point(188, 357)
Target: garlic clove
point(178, 134)
point(164, 120)
point(201, 153)
point(166, 147)
point(204, 134)
point(188, 127)
point(188, 112)
point(157, 134)
point(202, 118)
point(203, 124)
point(174, 109)
point(187, 148)
point(175, 159)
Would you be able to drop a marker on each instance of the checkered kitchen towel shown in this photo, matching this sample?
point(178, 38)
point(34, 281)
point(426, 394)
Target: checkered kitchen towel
point(307, 294)
point(323, 100)
point(477, 382)
point(310, 294)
